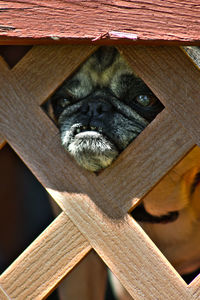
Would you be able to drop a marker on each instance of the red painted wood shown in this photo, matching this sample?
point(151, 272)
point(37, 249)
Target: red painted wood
point(145, 21)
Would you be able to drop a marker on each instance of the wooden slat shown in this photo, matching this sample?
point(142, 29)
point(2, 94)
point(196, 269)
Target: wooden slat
point(46, 261)
point(154, 156)
point(195, 287)
point(49, 66)
point(36, 61)
point(115, 240)
point(58, 21)
point(31, 131)
point(175, 81)
point(127, 250)
point(161, 163)
point(3, 295)
point(145, 161)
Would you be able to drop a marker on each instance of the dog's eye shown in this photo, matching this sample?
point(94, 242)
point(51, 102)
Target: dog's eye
point(146, 100)
point(63, 102)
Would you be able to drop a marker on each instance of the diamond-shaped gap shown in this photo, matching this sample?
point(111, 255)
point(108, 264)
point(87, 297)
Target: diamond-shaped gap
point(87, 280)
point(90, 279)
point(25, 207)
point(117, 290)
point(170, 215)
point(13, 54)
point(102, 101)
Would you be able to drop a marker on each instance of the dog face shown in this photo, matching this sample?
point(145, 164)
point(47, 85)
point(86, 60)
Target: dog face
point(102, 108)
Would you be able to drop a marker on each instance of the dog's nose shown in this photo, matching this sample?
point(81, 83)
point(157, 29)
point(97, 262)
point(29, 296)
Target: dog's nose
point(96, 108)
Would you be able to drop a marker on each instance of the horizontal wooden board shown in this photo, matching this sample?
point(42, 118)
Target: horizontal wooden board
point(147, 21)
point(45, 262)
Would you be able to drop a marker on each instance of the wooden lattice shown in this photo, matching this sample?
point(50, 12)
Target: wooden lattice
point(95, 207)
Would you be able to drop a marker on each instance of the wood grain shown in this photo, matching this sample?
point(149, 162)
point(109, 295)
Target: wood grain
point(155, 151)
point(35, 131)
point(49, 67)
point(120, 242)
point(194, 287)
point(71, 21)
point(127, 250)
point(175, 81)
point(46, 261)
point(88, 280)
point(3, 295)
point(155, 158)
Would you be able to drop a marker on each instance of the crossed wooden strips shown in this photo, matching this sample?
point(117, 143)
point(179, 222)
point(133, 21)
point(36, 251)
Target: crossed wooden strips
point(95, 208)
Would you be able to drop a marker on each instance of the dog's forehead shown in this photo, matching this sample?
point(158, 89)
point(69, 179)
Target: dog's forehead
point(103, 69)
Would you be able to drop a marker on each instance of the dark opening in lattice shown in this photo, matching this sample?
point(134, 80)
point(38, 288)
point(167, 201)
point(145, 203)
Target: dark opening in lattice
point(101, 108)
point(25, 209)
point(13, 54)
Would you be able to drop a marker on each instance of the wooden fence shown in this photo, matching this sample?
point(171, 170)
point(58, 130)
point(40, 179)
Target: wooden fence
point(95, 208)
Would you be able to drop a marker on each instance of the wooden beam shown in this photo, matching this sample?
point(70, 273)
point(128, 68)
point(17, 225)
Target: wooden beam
point(30, 22)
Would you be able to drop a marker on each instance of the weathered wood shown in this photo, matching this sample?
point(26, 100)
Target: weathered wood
point(175, 81)
point(118, 241)
point(46, 261)
point(71, 21)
